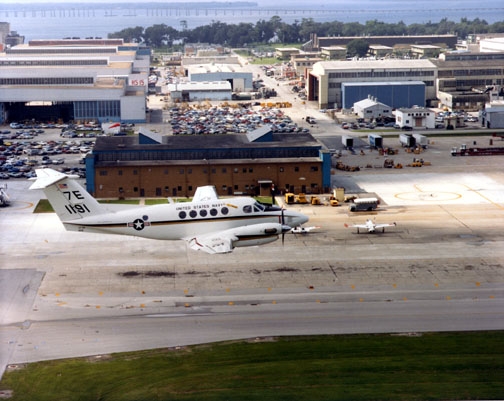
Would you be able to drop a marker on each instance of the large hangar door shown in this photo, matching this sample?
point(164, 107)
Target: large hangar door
point(40, 111)
point(238, 85)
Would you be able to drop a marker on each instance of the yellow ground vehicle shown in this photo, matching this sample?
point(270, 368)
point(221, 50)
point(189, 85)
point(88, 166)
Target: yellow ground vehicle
point(291, 198)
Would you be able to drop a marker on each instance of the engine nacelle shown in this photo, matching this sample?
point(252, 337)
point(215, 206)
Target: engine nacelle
point(257, 234)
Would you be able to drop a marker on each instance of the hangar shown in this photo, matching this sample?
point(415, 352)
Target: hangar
point(152, 165)
point(194, 91)
point(240, 81)
point(74, 79)
point(394, 94)
point(328, 81)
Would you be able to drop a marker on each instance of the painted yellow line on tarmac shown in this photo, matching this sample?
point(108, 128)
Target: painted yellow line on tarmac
point(484, 197)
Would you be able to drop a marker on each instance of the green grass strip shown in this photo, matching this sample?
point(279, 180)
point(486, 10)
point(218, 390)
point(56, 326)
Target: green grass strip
point(349, 367)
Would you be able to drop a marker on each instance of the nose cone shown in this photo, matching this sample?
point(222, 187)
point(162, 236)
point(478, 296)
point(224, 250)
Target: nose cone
point(295, 219)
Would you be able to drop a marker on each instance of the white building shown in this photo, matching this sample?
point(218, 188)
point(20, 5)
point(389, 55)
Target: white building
point(493, 115)
point(416, 117)
point(74, 80)
point(240, 81)
point(371, 108)
point(492, 45)
point(197, 91)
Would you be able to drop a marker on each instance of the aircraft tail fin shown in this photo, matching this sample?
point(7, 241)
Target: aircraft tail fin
point(68, 198)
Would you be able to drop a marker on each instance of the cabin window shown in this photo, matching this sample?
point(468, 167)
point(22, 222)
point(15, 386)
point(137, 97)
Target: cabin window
point(193, 213)
point(203, 213)
point(182, 215)
point(247, 209)
point(213, 212)
point(224, 210)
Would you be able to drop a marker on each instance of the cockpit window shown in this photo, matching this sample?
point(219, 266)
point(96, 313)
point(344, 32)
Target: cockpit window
point(258, 207)
point(247, 209)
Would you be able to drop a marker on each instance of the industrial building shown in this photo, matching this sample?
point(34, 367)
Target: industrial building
point(240, 81)
point(370, 108)
point(74, 80)
point(393, 94)
point(493, 114)
point(154, 165)
point(198, 91)
point(333, 83)
point(466, 79)
point(402, 41)
point(416, 117)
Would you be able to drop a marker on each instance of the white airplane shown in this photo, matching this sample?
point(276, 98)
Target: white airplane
point(302, 230)
point(207, 223)
point(371, 226)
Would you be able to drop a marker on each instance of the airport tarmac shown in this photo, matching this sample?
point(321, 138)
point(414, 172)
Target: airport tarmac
point(70, 294)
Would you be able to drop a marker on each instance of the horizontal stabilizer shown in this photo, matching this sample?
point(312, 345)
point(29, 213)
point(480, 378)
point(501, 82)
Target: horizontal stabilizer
point(47, 177)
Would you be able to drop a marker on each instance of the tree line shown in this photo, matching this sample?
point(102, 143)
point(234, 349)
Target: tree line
point(276, 31)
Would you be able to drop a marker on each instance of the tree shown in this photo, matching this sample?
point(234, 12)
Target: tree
point(357, 47)
point(133, 35)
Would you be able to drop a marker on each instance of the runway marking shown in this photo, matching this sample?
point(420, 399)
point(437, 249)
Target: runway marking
point(483, 196)
point(421, 195)
point(28, 205)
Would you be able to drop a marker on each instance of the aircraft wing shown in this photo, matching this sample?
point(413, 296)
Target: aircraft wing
point(225, 241)
point(385, 225)
point(218, 242)
point(206, 193)
point(356, 226)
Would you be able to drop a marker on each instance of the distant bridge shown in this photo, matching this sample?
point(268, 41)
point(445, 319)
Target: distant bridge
point(167, 10)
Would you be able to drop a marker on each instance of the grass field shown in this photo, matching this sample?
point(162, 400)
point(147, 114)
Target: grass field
point(359, 367)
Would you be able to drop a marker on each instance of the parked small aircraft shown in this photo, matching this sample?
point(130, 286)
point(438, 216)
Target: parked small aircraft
point(206, 223)
point(302, 230)
point(371, 226)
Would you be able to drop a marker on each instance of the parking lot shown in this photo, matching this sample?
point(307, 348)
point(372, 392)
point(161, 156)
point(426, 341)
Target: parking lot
point(27, 147)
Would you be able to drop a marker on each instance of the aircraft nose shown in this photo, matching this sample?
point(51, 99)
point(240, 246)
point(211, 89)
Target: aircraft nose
point(297, 219)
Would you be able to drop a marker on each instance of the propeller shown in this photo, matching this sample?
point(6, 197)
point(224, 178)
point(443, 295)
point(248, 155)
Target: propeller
point(285, 227)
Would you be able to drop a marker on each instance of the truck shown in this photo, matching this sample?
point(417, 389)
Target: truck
point(421, 140)
point(348, 141)
point(375, 141)
point(407, 140)
point(364, 204)
point(465, 151)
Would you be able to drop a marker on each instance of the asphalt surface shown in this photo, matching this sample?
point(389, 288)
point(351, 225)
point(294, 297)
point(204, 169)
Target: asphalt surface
point(66, 294)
